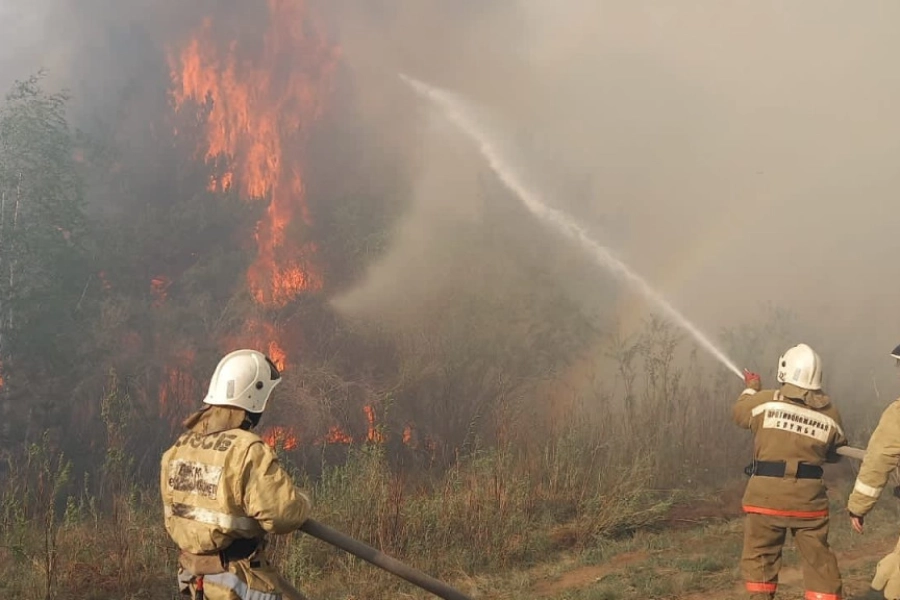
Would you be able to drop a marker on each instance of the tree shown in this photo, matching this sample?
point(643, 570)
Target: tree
point(43, 260)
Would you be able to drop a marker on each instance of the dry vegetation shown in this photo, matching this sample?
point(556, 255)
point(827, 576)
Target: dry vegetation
point(599, 509)
point(533, 458)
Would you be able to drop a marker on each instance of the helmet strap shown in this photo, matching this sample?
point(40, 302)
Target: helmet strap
point(251, 420)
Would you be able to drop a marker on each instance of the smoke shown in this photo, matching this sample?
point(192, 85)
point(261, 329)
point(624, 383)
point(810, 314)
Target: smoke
point(743, 150)
point(737, 154)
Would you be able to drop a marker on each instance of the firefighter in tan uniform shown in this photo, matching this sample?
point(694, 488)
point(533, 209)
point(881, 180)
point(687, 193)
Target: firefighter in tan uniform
point(795, 429)
point(223, 489)
point(882, 457)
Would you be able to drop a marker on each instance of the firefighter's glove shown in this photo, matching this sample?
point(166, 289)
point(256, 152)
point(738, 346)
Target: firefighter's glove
point(751, 380)
point(887, 576)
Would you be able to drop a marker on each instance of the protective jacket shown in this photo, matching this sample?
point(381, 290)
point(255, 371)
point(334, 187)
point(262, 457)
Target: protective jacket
point(799, 428)
point(882, 457)
point(222, 489)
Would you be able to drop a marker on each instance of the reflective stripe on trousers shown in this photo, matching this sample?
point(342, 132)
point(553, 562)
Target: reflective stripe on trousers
point(796, 514)
point(821, 596)
point(232, 582)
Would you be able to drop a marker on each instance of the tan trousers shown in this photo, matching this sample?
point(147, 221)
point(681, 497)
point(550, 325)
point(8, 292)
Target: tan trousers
point(764, 538)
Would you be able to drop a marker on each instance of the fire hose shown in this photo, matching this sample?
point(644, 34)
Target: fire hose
point(859, 454)
point(381, 560)
point(851, 452)
point(414, 576)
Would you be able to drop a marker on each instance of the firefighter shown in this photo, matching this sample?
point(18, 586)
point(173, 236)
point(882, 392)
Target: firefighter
point(882, 457)
point(795, 429)
point(223, 489)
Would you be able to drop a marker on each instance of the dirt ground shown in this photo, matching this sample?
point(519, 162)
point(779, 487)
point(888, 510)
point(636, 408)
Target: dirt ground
point(694, 555)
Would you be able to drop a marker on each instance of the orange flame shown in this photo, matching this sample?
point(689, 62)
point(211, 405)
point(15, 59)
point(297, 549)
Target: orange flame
point(277, 355)
point(260, 335)
point(159, 287)
point(336, 435)
point(178, 386)
point(2, 381)
point(262, 103)
point(281, 436)
point(373, 434)
point(407, 434)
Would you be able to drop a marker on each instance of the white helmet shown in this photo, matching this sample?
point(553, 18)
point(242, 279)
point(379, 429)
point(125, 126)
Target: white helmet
point(802, 367)
point(244, 379)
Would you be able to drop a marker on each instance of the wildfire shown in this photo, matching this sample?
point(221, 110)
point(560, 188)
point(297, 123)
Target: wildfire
point(263, 97)
point(290, 440)
point(277, 355)
point(373, 434)
point(281, 436)
point(336, 435)
point(178, 386)
point(159, 287)
point(262, 336)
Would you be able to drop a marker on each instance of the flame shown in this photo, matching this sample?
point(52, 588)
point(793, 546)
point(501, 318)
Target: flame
point(220, 183)
point(178, 385)
point(407, 434)
point(373, 434)
point(262, 101)
point(290, 440)
point(262, 336)
point(281, 436)
point(159, 287)
point(2, 381)
point(277, 355)
point(336, 435)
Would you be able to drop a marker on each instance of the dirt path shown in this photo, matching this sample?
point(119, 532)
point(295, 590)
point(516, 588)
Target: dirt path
point(854, 571)
point(584, 576)
point(717, 581)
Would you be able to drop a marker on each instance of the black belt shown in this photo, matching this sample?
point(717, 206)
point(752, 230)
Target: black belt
point(239, 549)
point(765, 468)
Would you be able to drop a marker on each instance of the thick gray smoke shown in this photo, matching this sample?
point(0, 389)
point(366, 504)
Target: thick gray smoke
point(746, 149)
point(737, 154)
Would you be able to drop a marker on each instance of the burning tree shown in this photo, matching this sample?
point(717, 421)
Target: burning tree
point(258, 90)
point(263, 96)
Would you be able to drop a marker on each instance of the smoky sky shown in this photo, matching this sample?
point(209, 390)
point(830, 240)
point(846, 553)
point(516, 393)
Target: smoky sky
point(735, 153)
point(738, 154)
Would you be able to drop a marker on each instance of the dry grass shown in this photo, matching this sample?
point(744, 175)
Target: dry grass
point(498, 521)
point(489, 526)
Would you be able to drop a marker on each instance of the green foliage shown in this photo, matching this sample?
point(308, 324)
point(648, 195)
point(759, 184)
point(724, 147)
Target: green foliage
point(42, 227)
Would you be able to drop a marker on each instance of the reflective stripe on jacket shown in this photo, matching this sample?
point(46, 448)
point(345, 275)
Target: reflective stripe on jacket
point(882, 457)
point(224, 485)
point(790, 425)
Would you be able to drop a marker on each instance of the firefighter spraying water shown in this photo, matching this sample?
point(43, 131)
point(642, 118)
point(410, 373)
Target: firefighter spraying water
point(796, 429)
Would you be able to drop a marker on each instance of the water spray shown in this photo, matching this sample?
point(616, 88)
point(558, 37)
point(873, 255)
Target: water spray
point(456, 111)
point(454, 108)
